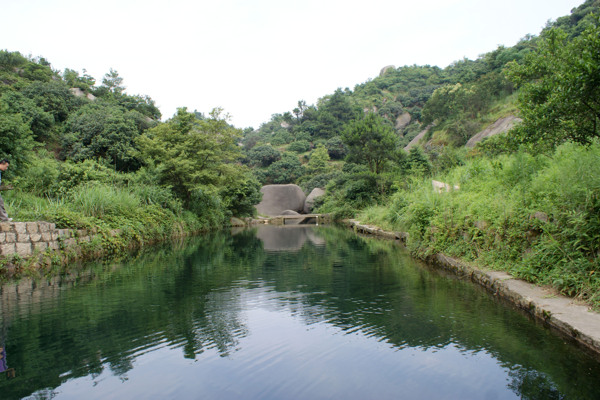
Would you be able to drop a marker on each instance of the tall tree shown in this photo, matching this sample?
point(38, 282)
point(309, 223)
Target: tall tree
point(560, 89)
point(194, 156)
point(370, 141)
point(113, 82)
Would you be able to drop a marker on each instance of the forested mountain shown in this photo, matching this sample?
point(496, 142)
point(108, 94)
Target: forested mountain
point(525, 202)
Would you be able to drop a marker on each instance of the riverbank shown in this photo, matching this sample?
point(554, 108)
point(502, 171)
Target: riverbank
point(572, 319)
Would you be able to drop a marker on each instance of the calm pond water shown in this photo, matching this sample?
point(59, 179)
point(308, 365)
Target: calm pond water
point(278, 313)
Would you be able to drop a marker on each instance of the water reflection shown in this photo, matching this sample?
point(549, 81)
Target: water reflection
point(287, 238)
point(291, 312)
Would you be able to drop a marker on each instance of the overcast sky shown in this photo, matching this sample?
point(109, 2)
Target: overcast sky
point(255, 58)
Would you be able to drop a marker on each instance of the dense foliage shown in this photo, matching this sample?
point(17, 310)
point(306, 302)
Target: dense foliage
point(87, 155)
point(92, 156)
point(560, 96)
point(512, 210)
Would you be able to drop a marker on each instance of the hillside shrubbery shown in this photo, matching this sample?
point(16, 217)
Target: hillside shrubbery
point(534, 216)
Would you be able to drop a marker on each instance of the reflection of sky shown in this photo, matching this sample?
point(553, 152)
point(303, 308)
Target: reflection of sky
point(279, 356)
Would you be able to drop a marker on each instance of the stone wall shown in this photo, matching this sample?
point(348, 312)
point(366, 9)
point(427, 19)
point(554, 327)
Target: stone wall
point(27, 238)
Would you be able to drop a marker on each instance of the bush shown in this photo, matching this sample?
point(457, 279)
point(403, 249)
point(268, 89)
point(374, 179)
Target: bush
point(534, 216)
point(286, 170)
point(263, 156)
point(299, 146)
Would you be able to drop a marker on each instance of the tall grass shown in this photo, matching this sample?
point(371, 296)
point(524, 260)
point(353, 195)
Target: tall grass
point(537, 217)
point(99, 200)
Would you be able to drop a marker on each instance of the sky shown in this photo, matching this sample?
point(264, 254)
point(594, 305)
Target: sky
point(256, 58)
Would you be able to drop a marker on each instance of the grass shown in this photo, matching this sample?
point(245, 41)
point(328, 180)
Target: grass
point(536, 217)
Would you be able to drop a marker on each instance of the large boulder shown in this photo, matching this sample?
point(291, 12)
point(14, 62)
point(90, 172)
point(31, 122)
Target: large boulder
point(310, 199)
point(279, 198)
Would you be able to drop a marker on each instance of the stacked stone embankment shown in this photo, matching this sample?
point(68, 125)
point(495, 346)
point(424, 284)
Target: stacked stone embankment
point(25, 239)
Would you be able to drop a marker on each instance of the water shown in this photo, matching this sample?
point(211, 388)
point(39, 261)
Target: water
point(278, 313)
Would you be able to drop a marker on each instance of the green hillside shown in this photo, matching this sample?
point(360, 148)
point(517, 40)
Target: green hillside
point(528, 198)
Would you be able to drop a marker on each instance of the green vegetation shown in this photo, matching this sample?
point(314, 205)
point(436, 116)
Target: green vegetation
point(528, 200)
point(84, 155)
point(95, 157)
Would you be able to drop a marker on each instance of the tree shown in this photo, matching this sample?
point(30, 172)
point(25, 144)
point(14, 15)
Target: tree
point(286, 170)
point(318, 160)
point(336, 148)
point(560, 90)
point(102, 131)
point(370, 141)
point(196, 159)
point(16, 139)
point(113, 82)
point(264, 155)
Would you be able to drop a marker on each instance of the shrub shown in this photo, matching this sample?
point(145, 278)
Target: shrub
point(299, 146)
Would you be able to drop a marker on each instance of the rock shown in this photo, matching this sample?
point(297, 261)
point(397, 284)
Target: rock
point(540, 216)
point(417, 138)
point(278, 198)
point(443, 187)
point(310, 199)
point(500, 126)
point(386, 69)
point(237, 222)
point(402, 121)
point(77, 92)
point(289, 212)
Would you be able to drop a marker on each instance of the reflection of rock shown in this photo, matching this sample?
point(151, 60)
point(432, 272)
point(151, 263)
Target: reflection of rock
point(287, 238)
point(310, 199)
point(278, 198)
point(314, 238)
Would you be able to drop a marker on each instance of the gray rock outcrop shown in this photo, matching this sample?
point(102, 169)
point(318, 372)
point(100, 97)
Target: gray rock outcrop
point(310, 199)
point(500, 126)
point(417, 138)
point(402, 121)
point(279, 198)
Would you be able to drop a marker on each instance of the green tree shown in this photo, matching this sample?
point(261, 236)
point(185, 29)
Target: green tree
point(113, 82)
point(105, 131)
point(263, 156)
point(196, 158)
point(74, 80)
point(40, 122)
point(560, 90)
point(318, 160)
point(370, 141)
point(286, 170)
point(16, 138)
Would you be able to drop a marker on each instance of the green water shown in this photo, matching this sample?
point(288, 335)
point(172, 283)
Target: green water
point(278, 313)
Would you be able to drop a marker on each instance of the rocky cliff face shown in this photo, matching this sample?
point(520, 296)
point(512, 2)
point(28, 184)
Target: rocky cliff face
point(500, 126)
